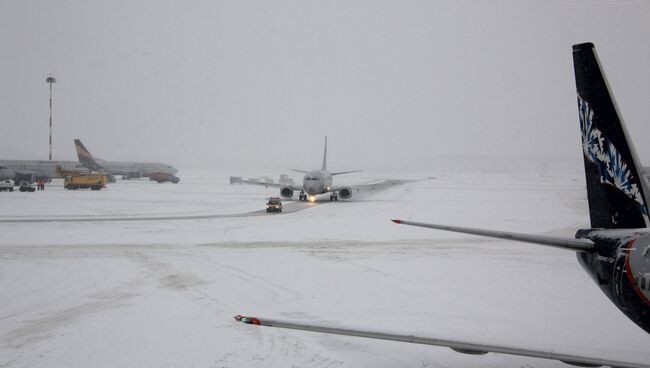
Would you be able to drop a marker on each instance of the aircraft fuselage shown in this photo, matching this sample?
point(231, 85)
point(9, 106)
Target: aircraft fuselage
point(137, 169)
point(317, 182)
point(40, 168)
point(621, 268)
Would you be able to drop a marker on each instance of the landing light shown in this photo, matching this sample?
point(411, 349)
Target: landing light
point(312, 199)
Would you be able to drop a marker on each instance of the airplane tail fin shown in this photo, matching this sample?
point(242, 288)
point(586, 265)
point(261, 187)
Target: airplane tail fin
point(85, 158)
point(83, 154)
point(324, 167)
point(615, 188)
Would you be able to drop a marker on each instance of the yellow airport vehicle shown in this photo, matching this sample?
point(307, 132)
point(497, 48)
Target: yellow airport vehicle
point(94, 181)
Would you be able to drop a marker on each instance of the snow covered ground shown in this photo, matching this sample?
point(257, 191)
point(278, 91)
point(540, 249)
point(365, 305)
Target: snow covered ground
point(163, 293)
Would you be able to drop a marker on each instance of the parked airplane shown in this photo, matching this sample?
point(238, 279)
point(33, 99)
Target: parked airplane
point(31, 170)
point(313, 183)
point(128, 169)
point(615, 251)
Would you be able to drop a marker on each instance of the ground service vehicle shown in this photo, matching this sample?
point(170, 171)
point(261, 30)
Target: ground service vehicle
point(274, 205)
point(93, 181)
point(26, 187)
point(6, 186)
point(162, 177)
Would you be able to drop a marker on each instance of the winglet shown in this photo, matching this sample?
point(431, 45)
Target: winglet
point(397, 221)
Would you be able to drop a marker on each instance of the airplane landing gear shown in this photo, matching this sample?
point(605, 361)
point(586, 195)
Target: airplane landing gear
point(302, 196)
point(334, 197)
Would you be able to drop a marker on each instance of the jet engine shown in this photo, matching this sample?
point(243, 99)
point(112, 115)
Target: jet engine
point(345, 193)
point(286, 192)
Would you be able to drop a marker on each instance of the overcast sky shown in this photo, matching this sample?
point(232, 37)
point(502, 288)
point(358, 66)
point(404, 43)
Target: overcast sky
point(256, 85)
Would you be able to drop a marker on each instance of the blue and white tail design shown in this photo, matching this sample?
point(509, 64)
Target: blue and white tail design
point(615, 188)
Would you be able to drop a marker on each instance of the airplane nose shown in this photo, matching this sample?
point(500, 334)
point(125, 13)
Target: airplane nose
point(312, 188)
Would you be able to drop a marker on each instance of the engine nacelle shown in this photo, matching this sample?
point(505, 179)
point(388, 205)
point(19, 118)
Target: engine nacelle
point(345, 193)
point(286, 192)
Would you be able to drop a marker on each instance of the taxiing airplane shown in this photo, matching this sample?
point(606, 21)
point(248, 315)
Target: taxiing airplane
point(615, 251)
point(314, 182)
point(128, 169)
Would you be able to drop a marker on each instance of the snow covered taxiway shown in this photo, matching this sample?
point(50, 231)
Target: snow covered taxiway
point(163, 293)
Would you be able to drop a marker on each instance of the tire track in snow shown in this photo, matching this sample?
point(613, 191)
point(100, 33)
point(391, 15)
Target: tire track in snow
point(291, 207)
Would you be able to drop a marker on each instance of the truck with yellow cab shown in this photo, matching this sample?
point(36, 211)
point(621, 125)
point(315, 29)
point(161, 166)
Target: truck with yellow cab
point(94, 181)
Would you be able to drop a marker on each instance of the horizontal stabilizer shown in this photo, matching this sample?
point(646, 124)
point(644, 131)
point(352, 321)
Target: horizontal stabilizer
point(457, 345)
point(554, 241)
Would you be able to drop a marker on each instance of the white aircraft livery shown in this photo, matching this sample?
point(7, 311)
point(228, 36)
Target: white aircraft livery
point(128, 169)
point(615, 251)
point(30, 170)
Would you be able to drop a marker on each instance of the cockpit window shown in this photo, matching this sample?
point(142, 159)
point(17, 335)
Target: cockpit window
point(311, 178)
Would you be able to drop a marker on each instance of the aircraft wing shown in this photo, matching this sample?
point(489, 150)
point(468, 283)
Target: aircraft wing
point(272, 185)
point(580, 245)
point(465, 347)
point(338, 188)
